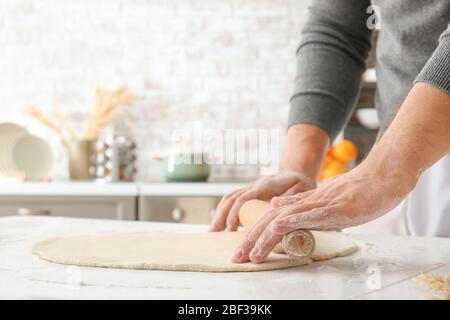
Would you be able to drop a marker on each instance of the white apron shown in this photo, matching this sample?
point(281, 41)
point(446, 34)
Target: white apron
point(424, 212)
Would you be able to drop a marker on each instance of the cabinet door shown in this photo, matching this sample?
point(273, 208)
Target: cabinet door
point(197, 210)
point(121, 208)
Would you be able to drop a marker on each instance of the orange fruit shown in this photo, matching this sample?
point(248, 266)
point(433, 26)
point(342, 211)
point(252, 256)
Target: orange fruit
point(328, 159)
point(345, 151)
point(332, 169)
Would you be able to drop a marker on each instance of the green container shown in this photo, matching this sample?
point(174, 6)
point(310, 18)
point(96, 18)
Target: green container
point(185, 168)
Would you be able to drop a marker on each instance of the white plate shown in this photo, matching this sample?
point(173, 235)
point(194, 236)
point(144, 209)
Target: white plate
point(33, 156)
point(11, 128)
point(9, 134)
point(7, 143)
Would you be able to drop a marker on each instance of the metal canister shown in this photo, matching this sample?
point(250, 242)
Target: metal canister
point(114, 159)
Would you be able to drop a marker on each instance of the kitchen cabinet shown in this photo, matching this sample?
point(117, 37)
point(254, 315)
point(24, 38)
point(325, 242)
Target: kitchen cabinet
point(168, 202)
point(193, 203)
point(70, 199)
point(120, 208)
point(195, 210)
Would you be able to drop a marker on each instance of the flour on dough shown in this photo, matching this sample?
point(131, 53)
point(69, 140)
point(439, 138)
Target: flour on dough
point(177, 251)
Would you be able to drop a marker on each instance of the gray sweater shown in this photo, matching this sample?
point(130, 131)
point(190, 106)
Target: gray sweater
point(413, 46)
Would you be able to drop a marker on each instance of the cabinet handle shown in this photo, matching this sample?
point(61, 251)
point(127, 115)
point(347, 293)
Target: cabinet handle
point(33, 212)
point(177, 215)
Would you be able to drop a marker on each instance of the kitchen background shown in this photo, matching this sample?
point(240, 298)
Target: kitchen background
point(221, 63)
point(227, 64)
point(207, 64)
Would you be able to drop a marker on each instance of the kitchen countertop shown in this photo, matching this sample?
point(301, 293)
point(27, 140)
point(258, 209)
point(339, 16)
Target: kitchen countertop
point(70, 188)
point(383, 268)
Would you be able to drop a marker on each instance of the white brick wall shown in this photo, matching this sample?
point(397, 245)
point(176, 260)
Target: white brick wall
point(228, 63)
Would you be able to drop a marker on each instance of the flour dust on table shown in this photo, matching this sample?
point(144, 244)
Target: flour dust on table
point(209, 252)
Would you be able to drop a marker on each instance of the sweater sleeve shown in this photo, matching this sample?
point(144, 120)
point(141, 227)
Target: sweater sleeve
point(437, 70)
point(334, 45)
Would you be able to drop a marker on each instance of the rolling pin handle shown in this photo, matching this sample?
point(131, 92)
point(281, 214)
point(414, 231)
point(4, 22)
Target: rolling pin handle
point(299, 243)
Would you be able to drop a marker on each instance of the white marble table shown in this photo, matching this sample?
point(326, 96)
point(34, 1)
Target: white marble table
point(383, 268)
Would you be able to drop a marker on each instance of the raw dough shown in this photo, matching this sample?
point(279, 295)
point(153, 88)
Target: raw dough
point(177, 251)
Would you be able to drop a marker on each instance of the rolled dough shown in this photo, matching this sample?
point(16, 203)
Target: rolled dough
point(177, 251)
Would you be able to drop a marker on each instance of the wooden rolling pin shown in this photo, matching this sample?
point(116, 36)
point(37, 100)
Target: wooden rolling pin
point(299, 243)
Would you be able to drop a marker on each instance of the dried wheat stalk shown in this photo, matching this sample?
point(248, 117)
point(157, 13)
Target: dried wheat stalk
point(104, 112)
point(440, 284)
point(65, 124)
point(106, 105)
point(38, 115)
point(33, 112)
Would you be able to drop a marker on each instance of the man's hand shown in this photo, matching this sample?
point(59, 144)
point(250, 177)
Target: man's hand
point(305, 149)
point(348, 200)
point(417, 138)
point(284, 183)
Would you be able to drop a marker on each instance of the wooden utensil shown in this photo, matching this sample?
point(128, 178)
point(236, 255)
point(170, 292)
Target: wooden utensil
point(299, 243)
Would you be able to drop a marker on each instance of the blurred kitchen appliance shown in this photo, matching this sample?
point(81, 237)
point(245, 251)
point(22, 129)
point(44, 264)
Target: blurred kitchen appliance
point(362, 127)
point(109, 159)
point(114, 159)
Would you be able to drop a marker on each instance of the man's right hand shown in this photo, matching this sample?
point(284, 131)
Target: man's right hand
point(284, 183)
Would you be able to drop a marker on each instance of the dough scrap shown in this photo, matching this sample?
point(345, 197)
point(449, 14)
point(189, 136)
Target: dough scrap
point(210, 252)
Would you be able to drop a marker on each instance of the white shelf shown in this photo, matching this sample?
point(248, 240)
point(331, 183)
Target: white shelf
point(68, 189)
point(117, 189)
